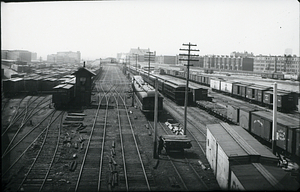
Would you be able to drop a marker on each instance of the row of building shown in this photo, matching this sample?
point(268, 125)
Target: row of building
point(65, 57)
point(27, 56)
point(234, 62)
point(18, 55)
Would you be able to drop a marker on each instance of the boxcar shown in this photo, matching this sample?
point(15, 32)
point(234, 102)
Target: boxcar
point(255, 93)
point(215, 84)
point(261, 125)
point(260, 177)
point(12, 86)
point(239, 89)
point(297, 144)
point(233, 112)
point(226, 86)
point(231, 145)
point(63, 95)
point(286, 101)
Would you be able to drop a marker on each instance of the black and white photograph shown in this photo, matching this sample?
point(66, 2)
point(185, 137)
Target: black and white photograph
point(150, 95)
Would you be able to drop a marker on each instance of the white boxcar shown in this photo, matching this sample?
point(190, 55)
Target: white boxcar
point(215, 84)
point(226, 86)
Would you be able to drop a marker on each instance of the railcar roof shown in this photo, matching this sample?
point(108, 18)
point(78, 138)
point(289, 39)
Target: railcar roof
point(235, 141)
point(281, 119)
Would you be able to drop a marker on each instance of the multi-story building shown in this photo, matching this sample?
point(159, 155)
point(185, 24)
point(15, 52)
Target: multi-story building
point(18, 55)
point(221, 62)
point(65, 57)
point(286, 64)
point(138, 54)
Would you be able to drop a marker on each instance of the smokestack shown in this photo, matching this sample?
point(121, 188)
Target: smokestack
point(84, 64)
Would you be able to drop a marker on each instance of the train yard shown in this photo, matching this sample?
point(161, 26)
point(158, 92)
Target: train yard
point(108, 146)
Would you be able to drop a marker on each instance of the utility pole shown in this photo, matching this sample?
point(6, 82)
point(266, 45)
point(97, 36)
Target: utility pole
point(187, 77)
point(155, 156)
point(149, 57)
point(274, 131)
point(136, 60)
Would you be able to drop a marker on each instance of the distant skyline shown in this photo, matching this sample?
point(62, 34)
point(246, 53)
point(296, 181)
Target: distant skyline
point(100, 29)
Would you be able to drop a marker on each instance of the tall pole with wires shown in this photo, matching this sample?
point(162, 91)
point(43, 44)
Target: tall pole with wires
point(189, 50)
point(149, 57)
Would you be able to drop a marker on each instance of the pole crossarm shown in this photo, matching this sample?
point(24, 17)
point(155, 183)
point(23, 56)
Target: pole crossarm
point(189, 55)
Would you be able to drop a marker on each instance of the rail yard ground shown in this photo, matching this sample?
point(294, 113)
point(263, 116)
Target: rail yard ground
point(89, 149)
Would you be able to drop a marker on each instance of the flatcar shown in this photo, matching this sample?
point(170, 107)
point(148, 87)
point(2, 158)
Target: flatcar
point(144, 94)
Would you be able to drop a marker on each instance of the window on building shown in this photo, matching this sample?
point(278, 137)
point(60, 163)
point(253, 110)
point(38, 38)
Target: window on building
point(82, 80)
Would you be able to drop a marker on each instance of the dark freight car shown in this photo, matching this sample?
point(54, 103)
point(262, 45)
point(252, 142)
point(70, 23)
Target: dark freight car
point(12, 86)
point(239, 89)
point(63, 95)
point(256, 92)
point(286, 101)
point(261, 125)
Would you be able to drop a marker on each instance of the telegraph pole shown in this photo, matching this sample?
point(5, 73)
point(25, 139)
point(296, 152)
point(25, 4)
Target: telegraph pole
point(149, 57)
point(187, 77)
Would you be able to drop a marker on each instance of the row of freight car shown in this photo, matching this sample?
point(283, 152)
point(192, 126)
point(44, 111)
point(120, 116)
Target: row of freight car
point(34, 84)
point(258, 122)
point(173, 89)
point(240, 162)
point(280, 76)
point(63, 95)
point(258, 94)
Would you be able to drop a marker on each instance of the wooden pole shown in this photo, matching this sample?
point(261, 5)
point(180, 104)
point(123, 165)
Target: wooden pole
point(155, 121)
point(274, 119)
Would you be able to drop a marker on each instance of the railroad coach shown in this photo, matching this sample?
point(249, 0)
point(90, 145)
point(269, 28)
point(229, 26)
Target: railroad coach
point(145, 95)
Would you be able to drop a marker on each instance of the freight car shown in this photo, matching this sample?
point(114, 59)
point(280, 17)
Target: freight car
point(63, 95)
point(233, 153)
point(29, 85)
point(243, 90)
point(144, 94)
point(259, 123)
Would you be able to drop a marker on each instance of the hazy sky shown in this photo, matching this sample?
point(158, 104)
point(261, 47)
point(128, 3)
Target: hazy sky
point(105, 28)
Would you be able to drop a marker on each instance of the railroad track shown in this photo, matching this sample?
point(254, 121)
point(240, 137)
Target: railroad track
point(16, 138)
point(196, 131)
point(90, 176)
point(135, 176)
point(185, 170)
point(40, 154)
point(22, 117)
